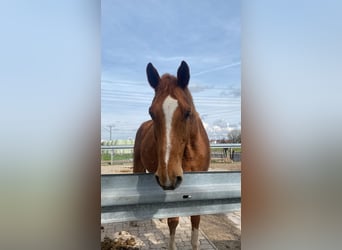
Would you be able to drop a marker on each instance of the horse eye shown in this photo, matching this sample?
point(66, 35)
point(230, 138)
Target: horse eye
point(187, 114)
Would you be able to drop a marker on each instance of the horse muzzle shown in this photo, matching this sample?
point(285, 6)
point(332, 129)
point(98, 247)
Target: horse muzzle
point(170, 186)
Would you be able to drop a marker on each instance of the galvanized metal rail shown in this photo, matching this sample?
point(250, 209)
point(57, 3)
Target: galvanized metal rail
point(130, 197)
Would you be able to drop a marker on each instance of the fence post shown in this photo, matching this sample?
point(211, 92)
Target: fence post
point(112, 157)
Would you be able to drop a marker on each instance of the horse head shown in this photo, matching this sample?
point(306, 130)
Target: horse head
point(172, 111)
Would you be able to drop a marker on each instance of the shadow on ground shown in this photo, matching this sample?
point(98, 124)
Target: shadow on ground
point(221, 231)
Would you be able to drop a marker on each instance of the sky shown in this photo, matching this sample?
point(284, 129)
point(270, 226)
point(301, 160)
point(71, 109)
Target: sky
point(206, 34)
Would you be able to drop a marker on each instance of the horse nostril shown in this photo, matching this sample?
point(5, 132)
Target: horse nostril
point(178, 181)
point(157, 179)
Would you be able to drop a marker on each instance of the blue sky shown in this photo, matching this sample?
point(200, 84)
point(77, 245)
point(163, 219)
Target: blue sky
point(206, 34)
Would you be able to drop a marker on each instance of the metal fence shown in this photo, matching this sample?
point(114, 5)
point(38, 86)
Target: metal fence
point(227, 151)
point(130, 197)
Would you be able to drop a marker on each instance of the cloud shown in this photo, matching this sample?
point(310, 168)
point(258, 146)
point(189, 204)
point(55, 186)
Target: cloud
point(232, 92)
point(220, 128)
point(196, 88)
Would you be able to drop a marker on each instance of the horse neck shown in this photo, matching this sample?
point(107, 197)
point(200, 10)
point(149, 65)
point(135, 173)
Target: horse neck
point(197, 129)
point(196, 123)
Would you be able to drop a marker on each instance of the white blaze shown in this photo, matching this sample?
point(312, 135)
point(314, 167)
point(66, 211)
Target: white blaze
point(169, 106)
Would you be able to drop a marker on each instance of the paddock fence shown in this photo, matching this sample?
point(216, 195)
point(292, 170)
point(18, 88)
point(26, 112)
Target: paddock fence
point(219, 152)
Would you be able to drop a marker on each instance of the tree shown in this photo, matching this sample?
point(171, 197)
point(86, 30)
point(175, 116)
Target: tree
point(234, 136)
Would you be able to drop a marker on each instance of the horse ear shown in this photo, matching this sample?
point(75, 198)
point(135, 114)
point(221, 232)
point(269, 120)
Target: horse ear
point(183, 75)
point(152, 75)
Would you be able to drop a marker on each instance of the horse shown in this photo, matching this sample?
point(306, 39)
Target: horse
point(174, 141)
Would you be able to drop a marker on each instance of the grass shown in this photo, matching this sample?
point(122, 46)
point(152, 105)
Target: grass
point(129, 156)
point(117, 157)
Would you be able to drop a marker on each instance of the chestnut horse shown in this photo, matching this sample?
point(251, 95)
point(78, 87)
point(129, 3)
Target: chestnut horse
point(174, 141)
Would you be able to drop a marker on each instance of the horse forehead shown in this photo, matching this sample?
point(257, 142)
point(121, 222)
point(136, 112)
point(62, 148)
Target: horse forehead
point(170, 104)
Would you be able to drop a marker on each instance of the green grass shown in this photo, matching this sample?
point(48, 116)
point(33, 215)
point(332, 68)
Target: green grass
point(129, 156)
point(117, 157)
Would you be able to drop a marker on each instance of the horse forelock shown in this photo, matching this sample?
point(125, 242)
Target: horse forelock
point(167, 83)
point(168, 86)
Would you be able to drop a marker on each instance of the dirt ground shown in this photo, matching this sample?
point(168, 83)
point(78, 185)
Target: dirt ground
point(219, 229)
point(125, 168)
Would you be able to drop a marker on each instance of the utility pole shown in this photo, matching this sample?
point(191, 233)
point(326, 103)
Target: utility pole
point(110, 130)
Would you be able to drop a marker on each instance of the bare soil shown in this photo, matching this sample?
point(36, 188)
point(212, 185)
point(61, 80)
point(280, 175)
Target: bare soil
point(219, 229)
point(126, 168)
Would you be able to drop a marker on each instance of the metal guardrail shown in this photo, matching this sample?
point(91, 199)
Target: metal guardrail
point(130, 197)
point(118, 147)
point(225, 145)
